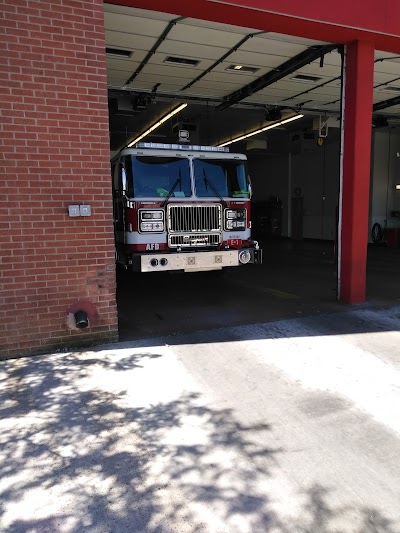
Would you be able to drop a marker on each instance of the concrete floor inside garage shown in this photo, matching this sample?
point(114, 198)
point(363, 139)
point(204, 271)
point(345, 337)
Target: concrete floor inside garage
point(297, 278)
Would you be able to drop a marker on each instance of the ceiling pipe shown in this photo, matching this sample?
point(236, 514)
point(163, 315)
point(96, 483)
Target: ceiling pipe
point(154, 48)
point(221, 59)
point(290, 66)
point(386, 103)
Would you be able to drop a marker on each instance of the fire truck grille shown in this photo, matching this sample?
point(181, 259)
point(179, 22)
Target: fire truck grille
point(194, 240)
point(194, 218)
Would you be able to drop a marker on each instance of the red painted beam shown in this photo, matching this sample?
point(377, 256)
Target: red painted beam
point(353, 224)
point(343, 22)
point(371, 15)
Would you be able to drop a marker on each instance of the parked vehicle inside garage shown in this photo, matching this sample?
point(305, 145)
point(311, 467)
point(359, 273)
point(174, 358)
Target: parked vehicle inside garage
point(182, 207)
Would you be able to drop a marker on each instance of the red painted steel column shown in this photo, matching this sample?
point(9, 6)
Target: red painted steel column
point(355, 171)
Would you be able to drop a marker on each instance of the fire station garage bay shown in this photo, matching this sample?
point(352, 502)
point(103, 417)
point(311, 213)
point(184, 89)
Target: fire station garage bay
point(255, 168)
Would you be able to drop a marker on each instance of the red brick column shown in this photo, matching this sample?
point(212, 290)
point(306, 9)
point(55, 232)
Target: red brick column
point(54, 152)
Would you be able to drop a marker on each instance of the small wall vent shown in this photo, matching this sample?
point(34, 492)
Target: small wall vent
point(118, 52)
point(183, 61)
point(306, 78)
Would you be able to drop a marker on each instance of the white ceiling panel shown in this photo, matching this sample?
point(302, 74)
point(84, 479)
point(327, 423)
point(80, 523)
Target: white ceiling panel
point(388, 67)
point(115, 79)
point(124, 65)
point(219, 26)
point(128, 24)
point(380, 77)
point(208, 92)
point(192, 34)
point(254, 59)
point(193, 51)
point(294, 40)
point(222, 76)
point(317, 97)
point(294, 86)
point(272, 47)
point(221, 88)
point(147, 85)
point(314, 69)
point(386, 92)
point(395, 110)
point(129, 41)
point(173, 72)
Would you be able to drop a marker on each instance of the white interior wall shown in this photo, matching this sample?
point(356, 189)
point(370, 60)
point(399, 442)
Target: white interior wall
point(315, 172)
point(269, 175)
point(385, 175)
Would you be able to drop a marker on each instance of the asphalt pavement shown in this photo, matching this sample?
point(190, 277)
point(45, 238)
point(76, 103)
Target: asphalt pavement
point(291, 425)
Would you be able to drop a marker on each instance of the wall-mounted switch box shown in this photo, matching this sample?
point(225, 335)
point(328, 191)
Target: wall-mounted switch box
point(85, 210)
point(73, 211)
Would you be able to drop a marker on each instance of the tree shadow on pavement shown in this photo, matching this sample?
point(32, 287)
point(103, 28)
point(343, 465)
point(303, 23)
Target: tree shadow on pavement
point(81, 451)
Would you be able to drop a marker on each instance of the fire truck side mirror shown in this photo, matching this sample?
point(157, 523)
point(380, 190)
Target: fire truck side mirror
point(250, 188)
point(123, 180)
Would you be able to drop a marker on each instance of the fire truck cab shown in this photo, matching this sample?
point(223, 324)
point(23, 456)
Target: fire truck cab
point(181, 207)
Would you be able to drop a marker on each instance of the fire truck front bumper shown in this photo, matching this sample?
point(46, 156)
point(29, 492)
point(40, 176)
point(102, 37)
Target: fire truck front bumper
point(196, 261)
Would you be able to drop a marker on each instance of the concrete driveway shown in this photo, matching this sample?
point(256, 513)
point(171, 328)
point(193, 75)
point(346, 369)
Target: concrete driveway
point(289, 426)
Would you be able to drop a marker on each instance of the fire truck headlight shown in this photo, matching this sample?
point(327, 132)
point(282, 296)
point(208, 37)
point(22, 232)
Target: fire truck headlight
point(244, 257)
point(235, 219)
point(151, 215)
point(151, 226)
point(151, 220)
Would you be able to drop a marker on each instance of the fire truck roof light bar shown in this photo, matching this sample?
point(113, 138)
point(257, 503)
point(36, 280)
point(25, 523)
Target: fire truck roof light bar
point(269, 127)
point(157, 124)
point(191, 147)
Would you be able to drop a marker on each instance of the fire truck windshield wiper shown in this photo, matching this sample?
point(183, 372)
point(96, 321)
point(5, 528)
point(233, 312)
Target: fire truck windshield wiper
point(207, 181)
point(170, 192)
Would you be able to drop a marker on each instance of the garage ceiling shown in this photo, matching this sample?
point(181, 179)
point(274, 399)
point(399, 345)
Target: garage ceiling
point(173, 59)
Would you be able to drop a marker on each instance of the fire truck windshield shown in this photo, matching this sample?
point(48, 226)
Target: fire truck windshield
point(155, 176)
point(226, 178)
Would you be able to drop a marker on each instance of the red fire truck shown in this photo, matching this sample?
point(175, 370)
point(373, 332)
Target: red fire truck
point(181, 207)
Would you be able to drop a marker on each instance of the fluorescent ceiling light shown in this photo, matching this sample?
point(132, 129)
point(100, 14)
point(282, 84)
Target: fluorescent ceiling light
point(242, 68)
point(154, 126)
point(398, 187)
point(269, 127)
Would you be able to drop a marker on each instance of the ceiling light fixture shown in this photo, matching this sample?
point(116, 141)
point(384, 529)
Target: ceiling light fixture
point(269, 127)
point(242, 68)
point(157, 124)
point(398, 187)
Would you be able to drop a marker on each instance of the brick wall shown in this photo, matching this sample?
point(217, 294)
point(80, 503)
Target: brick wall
point(54, 151)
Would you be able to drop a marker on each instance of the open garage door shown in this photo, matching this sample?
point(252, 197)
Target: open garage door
point(237, 81)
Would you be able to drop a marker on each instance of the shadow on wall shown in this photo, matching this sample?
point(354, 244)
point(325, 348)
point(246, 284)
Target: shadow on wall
point(81, 452)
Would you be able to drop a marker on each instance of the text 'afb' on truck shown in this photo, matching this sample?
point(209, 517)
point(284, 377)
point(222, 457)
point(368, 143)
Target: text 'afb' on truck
point(181, 207)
